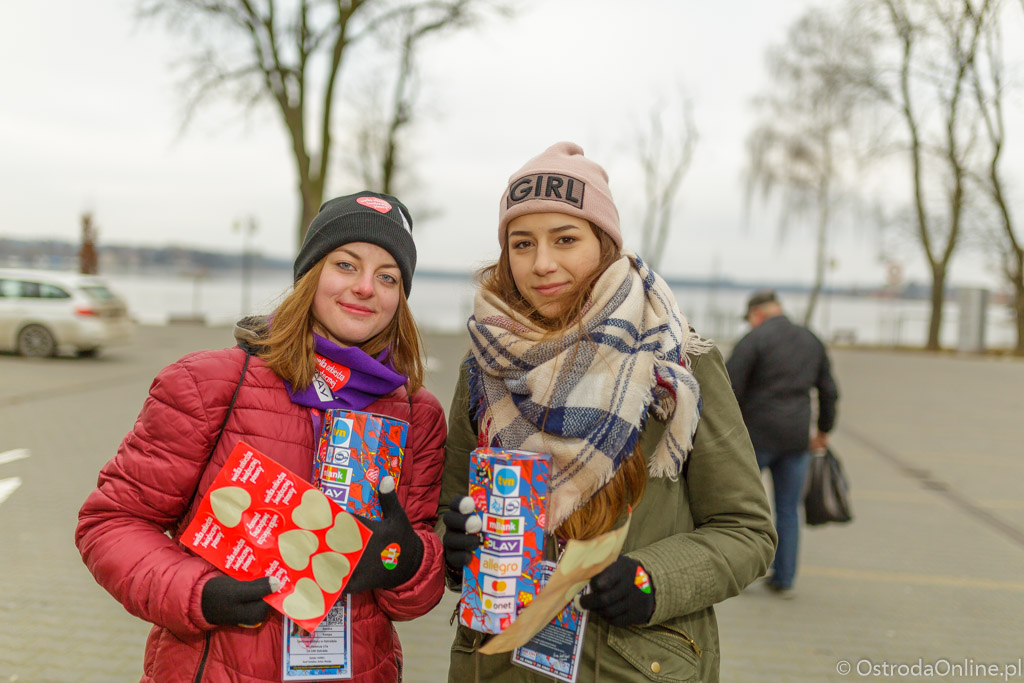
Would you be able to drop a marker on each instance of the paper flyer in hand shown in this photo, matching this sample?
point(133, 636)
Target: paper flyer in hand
point(580, 561)
point(355, 451)
point(260, 519)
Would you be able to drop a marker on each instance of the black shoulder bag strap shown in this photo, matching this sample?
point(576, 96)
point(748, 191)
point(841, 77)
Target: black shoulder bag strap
point(231, 406)
point(220, 432)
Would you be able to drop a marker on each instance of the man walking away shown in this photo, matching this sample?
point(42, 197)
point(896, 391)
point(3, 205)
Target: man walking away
point(773, 369)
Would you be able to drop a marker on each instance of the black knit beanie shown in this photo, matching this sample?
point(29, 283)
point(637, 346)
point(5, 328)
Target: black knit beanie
point(362, 217)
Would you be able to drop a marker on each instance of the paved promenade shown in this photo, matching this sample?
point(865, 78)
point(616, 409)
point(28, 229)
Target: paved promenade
point(930, 571)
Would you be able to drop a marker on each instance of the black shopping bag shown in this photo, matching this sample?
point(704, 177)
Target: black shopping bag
point(827, 498)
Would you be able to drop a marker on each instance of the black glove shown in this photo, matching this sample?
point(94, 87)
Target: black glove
point(394, 551)
point(461, 537)
point(231, 602)
point(622, 594)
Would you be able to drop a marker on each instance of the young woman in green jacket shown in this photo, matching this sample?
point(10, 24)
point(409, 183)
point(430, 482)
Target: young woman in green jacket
point(579, 351)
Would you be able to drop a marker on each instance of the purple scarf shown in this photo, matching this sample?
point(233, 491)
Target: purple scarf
point(359, 381)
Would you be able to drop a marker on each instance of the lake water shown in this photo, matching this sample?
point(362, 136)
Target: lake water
point(443, 303)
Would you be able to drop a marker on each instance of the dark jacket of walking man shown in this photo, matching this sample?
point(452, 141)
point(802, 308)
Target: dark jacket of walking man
point(773, 369)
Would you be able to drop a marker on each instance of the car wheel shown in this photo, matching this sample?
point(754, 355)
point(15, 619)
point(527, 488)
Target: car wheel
point(36, 341)
point(87, 353)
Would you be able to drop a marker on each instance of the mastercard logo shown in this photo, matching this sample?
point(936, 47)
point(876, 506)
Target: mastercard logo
point(500, 585)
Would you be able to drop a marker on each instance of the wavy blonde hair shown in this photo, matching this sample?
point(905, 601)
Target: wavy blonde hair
point(627, 486)
point(288, 348)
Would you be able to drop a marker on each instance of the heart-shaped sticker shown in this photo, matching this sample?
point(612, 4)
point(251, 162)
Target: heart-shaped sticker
point(330, 570)
point(314, 512)
point(228, 504)
point(305, 602)
point(296, 546)
point(373, 474)
point(344, 536)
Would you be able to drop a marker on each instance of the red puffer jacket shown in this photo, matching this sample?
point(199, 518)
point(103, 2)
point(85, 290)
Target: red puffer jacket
point(147, 489)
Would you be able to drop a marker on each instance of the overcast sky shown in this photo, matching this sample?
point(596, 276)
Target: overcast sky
point(89, 120)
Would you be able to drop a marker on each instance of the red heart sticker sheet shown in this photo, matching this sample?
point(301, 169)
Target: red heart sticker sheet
point(261, 519)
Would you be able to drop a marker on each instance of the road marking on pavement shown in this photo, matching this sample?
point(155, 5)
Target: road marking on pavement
point(917, 579)
point(11, 484)
point(16, 454)
point(8, 486)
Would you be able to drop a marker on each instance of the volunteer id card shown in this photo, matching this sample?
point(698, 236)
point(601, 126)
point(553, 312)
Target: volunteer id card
point(325, 654)
point(555, 651)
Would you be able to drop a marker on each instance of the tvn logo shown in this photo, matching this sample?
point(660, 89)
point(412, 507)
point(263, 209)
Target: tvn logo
point(498, 587)
point(499, 605)
point(339, 494)
point(336, 475)
point(339, 456)
point(497, 565)
point(341, 432)
point(503, 526)
point(501, 545)
point(506, 480)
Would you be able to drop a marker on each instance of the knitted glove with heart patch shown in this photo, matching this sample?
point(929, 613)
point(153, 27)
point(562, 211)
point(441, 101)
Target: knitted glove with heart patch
point(394, 552)
point(623, 594)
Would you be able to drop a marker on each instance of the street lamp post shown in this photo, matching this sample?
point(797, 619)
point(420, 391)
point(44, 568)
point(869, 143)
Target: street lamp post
point(247, 230)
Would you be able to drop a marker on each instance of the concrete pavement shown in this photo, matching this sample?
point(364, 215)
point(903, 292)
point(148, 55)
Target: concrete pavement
point(931, 569)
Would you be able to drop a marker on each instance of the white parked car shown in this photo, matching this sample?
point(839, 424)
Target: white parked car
point(45, 312)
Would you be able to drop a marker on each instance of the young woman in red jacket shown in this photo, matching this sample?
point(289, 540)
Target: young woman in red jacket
point(348, 308)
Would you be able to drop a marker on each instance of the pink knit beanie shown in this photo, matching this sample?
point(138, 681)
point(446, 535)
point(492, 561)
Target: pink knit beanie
point(560, 180)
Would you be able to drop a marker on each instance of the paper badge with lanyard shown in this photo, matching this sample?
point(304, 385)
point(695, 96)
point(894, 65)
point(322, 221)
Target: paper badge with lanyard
point(325, 654)
point(555, 650)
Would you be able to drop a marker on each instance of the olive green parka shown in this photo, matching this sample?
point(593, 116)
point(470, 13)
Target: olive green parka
point(702, 539)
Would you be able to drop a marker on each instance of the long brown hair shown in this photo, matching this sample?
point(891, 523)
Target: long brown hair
point(598, 514)
point(288, 348)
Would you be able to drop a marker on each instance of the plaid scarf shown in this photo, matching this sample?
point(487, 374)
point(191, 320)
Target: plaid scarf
point(583, 397)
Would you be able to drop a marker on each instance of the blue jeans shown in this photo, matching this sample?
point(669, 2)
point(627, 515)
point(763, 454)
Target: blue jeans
point(789, 471)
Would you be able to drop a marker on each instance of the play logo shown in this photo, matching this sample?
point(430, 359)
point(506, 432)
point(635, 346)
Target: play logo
point(506, 480)
point(339, 494)
point(501, 545)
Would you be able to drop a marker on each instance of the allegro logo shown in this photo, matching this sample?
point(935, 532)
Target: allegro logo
point(501, 566)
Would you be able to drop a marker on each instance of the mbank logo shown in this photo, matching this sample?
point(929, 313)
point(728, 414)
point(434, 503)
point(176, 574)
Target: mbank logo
point(503, 526)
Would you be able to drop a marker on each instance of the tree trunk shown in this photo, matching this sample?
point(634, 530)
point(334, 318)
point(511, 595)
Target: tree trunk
point(1018, 299)
point(311, 193)
point(1018, 309)
point(937, 297)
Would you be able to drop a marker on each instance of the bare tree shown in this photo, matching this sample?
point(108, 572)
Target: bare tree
point(937, 42)
point(665, 158)
point(989, 91)
point(804, 148)
point(290, 54)
point(379, 137)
